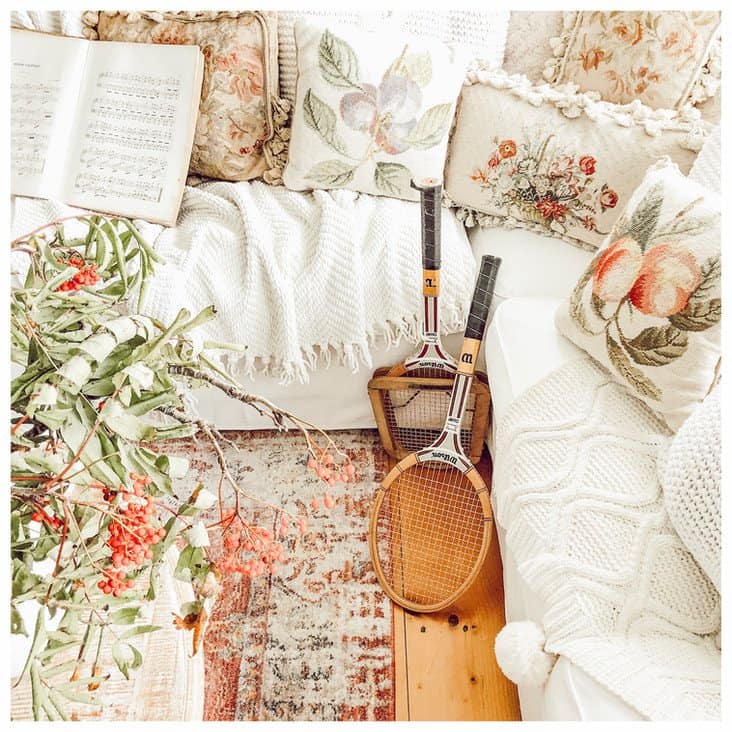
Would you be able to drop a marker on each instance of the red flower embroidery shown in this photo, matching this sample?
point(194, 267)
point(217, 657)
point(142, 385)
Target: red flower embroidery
point(587, 164)
point(494, 160)
point(608, 199)
point(551, 209)
point(591, 58)
point(507, 149)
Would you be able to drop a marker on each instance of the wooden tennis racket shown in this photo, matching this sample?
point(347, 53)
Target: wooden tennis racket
point(431, 359)
point(431, 518)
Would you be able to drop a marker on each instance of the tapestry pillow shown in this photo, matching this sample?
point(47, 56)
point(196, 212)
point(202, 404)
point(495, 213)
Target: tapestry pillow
point(648, 307)
point(553, 160)
point(239, 80)
point(370, 121)
point(654, 56)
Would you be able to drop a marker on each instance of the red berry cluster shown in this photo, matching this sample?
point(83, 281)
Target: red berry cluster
point(326, 468)
point(131, 533)
point(330, 472)
point(53, 522)
point(87, 275)
point(240, 538)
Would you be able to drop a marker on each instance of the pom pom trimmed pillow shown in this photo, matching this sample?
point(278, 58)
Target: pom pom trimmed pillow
point(372, 110)
point(648, 307)
point(555, 161)
point(654, 56)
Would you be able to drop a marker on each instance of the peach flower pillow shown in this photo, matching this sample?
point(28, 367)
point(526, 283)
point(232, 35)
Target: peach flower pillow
point(648, 307)
point(654, 56)
point(235, 121)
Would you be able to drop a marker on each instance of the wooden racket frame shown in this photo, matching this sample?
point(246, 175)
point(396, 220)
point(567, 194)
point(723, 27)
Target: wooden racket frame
point(384, 380)
point(447, 443)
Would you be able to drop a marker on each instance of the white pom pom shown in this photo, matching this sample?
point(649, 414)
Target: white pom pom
point(520, 653)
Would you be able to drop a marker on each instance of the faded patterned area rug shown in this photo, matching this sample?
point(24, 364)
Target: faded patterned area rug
point(315, 641)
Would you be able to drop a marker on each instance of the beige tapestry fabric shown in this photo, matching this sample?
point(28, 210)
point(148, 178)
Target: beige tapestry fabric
point(553, 160)
point(648, 307)
point(239, 81)
point(370, 121)
point(654, 56)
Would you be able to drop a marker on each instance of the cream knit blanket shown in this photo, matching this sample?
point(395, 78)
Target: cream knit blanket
point(622, 597)
point(296, 278)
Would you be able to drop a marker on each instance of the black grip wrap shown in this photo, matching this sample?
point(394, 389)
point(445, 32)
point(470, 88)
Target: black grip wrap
point(430, 193)
point(482, 297)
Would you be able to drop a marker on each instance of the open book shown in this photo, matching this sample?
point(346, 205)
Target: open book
point(103, 125)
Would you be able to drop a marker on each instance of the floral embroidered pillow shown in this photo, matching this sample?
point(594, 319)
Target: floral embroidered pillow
point(649, 305)
point(372, 111)
point(653, 56)
point(239, 79)
point(554, 161)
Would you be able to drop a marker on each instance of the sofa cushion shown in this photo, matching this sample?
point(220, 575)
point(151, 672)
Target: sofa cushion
point(532, 264)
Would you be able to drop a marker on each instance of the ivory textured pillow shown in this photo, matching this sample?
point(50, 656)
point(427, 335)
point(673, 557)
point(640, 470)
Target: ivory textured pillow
point(649, 305)
point(239, 80)
point(372, 110)
point(655, 56)
point(555, 161)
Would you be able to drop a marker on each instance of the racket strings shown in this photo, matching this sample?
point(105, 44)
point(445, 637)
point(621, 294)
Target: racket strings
point(430, 530)
point(415, 417)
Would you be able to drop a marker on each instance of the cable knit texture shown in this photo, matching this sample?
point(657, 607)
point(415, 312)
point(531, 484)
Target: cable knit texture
point(691, 478)
point(297, 278)
point(575, 484)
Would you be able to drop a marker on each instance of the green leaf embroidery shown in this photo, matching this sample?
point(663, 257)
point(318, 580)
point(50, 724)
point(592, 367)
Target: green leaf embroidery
point(321, 118)
point(331, 173)
point(576, 306)
point(644, 219)
point(711, 273)
point(698, 315)
point(391, 178)
point(644, 386)
point(657, 346)
point(688, 225)
point(597, 304)
point(416, 66)
point(338, 61)
point(431, 127)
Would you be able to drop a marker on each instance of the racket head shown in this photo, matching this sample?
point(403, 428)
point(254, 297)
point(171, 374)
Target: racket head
point(431, 525)
point(410, 410)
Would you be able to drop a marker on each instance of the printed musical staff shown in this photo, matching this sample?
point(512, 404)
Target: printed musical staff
point(128, 138)
point(31, 123)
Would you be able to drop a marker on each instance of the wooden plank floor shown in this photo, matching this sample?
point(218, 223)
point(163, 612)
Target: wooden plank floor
point(444, 662)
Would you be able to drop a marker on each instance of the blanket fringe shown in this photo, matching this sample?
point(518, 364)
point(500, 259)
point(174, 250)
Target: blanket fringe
point(353, 355)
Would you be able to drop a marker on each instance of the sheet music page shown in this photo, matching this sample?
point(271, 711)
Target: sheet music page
point(136, 121)
point(45, 79)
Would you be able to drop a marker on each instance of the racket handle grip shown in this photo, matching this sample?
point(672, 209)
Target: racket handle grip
point(430, 194)
point(482, 297)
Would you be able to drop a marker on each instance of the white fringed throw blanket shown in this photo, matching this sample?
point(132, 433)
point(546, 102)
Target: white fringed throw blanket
point(623, 597)
point(295, 277)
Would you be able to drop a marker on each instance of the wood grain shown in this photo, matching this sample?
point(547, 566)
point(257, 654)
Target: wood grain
point(445, 668)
